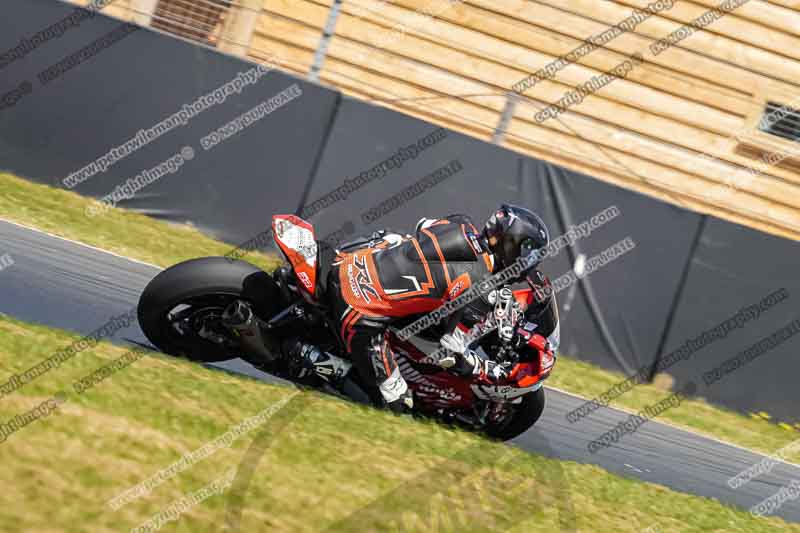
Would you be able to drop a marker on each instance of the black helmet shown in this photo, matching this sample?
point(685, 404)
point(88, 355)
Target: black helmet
point(513, 232)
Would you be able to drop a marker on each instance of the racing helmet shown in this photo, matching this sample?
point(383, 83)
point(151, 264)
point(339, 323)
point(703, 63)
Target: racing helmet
point(514, 232)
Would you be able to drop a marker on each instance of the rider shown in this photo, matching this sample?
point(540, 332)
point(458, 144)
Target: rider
point(394, 277)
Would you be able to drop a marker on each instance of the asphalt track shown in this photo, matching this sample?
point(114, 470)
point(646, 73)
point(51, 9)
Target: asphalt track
point(68, 285)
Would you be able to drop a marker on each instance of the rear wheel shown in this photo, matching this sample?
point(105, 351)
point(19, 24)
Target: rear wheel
point(180, 310)
point(524, 416)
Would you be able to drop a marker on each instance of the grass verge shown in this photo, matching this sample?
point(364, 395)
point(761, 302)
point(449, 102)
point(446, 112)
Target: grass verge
point(317, 463)
point(140, 237)
point(123, 232)
point(755, 433)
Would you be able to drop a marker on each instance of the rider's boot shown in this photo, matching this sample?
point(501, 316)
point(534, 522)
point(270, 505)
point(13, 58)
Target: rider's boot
point(403, 405)
point(306, 359)
point(398, 397)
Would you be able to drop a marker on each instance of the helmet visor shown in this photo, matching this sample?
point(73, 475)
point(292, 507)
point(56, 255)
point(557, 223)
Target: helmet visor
point(529, 255)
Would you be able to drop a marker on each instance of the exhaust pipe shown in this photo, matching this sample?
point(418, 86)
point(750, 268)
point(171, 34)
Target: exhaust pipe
point(239, 317)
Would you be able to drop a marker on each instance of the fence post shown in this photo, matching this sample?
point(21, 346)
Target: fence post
point(505, 117)
point(240, 24)
point(142, 11)
point(322, 48)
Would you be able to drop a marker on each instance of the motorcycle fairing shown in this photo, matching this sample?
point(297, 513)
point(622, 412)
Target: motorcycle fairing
point(295, 237)
point(503, 392)
point(434, 388)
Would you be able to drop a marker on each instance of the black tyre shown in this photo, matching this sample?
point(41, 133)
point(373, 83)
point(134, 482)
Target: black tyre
point(525, 415)
point(180, 310)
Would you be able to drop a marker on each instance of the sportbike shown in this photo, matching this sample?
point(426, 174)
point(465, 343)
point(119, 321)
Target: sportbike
point(214, 308)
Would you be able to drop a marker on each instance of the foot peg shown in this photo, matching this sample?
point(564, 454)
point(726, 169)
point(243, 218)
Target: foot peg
point(239, 317)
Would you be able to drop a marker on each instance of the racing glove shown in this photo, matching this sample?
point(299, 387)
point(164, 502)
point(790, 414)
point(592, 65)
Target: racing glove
point(484, 369)
point(466, 361)
point(454, 344)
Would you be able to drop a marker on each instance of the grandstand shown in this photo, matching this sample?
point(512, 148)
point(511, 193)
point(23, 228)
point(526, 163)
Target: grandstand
point(688, 125)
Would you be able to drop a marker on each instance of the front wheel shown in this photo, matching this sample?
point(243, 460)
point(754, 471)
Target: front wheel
point(525, 415)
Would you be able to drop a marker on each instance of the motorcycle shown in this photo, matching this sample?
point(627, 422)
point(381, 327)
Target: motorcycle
point(213, 309)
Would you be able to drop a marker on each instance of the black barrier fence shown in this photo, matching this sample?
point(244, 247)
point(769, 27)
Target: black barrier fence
point(353, 168)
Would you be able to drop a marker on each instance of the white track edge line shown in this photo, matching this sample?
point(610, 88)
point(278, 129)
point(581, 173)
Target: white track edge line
point(679, 428)
point(36, 230)
point(568, 393)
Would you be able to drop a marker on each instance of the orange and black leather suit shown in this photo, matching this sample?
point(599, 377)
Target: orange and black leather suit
point(398, 276)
